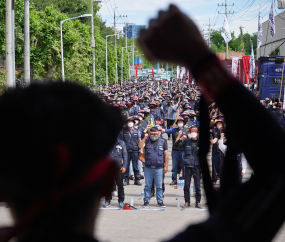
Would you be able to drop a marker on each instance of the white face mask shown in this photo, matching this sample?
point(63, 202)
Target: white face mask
point(189, 136)
point(131, 124)
point(180, 125)
point(136, 121)
point(219, 126)
point(194, 135)
point(140, 118)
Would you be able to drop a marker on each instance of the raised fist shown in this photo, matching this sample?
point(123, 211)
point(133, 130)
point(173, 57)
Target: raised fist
point(173, 37)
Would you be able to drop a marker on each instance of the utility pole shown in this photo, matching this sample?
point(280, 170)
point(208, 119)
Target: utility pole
point(133, 49)
point(93, 41)
point(209, 34)
point(226, 13)
point(27, 74)
point(9, 46)
point(115, 41)
point(241, 37)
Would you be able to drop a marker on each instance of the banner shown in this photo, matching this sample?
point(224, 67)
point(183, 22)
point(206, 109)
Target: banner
point(235, 65)
point(246, 68)
point(152, 72)
point(284, 99)
point(182, 72)
point(178, 72)
point(226, 31)
point(271, 20)
point(136, 71)
point(259, 32)
point(252, 63)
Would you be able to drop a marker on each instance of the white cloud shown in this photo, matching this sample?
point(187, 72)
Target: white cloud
point(140, 12)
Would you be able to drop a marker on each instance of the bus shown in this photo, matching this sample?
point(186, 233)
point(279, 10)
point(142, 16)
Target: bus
point(269, 77)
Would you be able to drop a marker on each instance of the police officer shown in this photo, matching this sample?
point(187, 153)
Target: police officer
point(120, 155)
point(177, 150)
point(156, 164)
point(131, 137)
point(191, 164)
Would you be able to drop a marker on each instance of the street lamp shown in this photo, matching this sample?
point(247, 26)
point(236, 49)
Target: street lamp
point(93, 42)
point(122, 68)
point(61, 41)
point(129, 61)
point(107, 83)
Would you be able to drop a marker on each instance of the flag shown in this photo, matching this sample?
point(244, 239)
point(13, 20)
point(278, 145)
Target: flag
point(252, 63)
point(159, 122)
point(259, 32)
point(178, 72)
point(271, 20)
point(246, 67)
point(152, 72)
point(141, 158)
point(235, 65)
point(136, 71)
point(182, 72)
point(284, 98)
point(226, 31)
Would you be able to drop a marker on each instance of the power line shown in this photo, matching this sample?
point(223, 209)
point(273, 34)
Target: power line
point(254, 18)
point(239, 17)
point(241, 9)
point(116, 7)
point(215, 14)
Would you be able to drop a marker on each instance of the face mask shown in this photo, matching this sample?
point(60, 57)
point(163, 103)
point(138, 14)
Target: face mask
point(151, 107)
point(136, 121)
point(180, 125)
point(130, 124)
point(194, 135)
point(140, 118)
point(189, 136)
point(192, 118)
point(154, 137)
point(219, 126)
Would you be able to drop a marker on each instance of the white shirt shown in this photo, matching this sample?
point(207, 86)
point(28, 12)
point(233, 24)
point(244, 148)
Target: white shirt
point(223, 148)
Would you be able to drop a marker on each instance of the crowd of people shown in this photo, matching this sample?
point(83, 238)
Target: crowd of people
point(56, 168)
point(149, 110)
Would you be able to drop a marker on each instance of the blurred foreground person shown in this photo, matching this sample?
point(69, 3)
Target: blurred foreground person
point(232, 217)
point(54, 170)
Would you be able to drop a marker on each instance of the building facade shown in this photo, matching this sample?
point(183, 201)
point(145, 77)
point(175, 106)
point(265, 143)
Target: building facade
point(132, 31)
point(275, 45)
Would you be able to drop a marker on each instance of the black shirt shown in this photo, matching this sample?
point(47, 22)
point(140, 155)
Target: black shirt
point(216, 134)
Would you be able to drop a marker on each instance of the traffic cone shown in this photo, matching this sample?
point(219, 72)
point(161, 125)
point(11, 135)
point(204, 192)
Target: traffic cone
point(127, 207)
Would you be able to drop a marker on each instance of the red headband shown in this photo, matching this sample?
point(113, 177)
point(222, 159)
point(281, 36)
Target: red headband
point(104, 168)
point(194, 128)
point(154, 132)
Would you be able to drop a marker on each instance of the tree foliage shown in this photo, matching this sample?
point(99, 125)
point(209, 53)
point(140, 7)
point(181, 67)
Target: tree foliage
point(45, 48)
point(219, 45)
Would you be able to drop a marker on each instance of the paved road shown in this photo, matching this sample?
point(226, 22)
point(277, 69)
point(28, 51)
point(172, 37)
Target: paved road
point(146, 226)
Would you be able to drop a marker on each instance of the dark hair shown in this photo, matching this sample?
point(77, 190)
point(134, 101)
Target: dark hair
point(41, 116)
point(154, 129)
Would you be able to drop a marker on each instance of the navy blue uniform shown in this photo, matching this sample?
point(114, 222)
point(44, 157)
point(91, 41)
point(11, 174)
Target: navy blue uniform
point(192, 168)
point(120, 155)
point(131, 139)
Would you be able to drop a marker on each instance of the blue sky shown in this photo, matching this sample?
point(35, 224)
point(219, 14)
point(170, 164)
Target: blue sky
point(140, 11)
